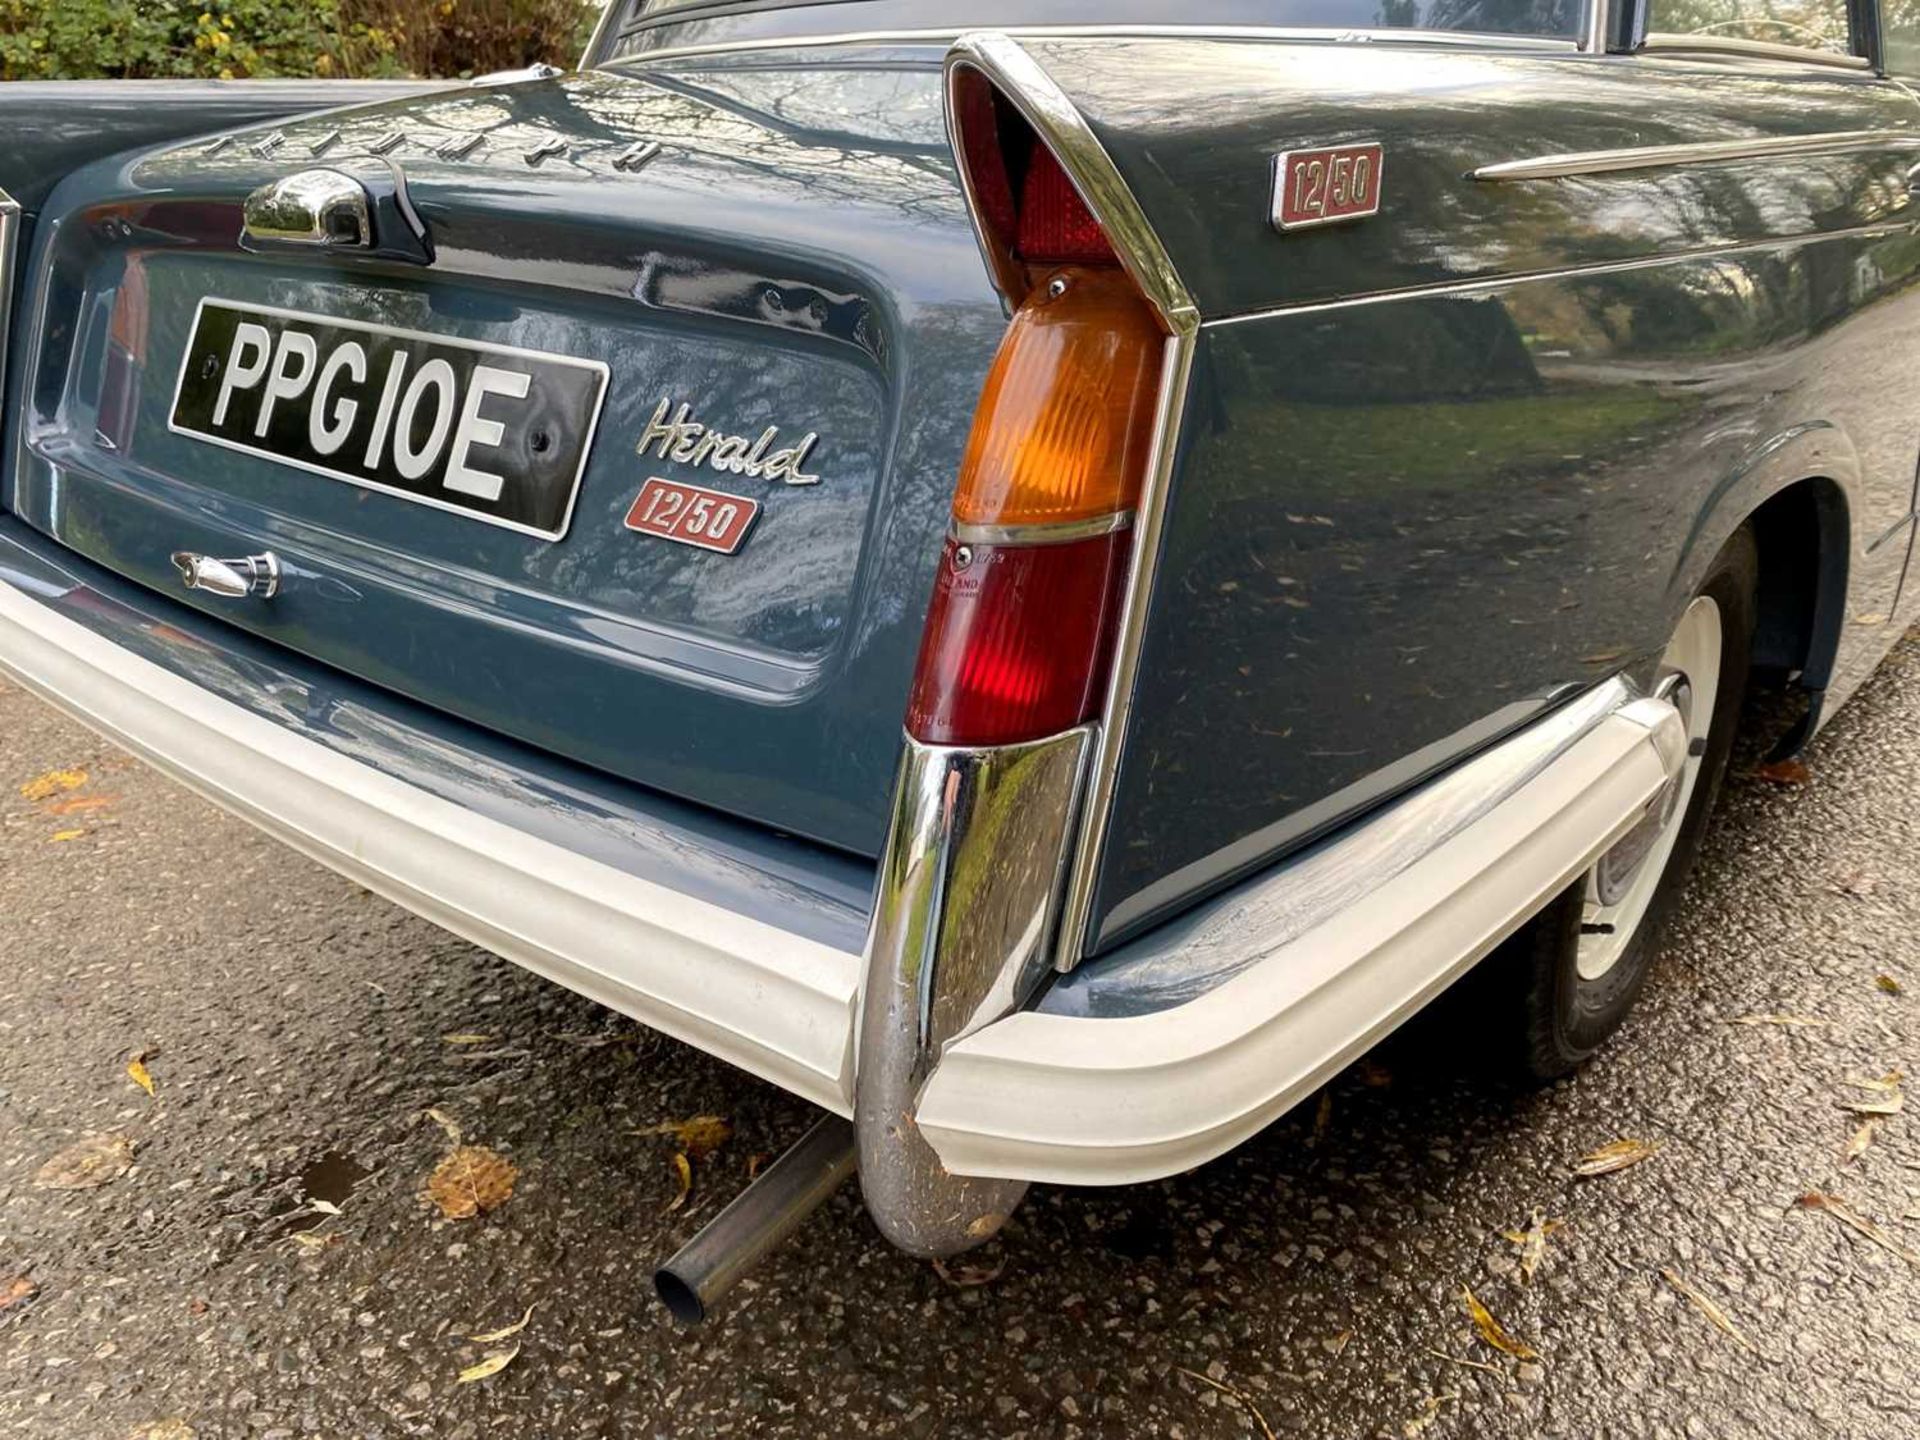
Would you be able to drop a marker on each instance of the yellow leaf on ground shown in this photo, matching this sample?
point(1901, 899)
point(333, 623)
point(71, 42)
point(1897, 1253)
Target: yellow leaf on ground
point(1884, 1105)
point(1859, 1224)
point(1857, 1146)
point(471, 1181)
point(699, 1137)
point(1887, 983)
point(1533, 1242)
point(90, 1163)
point(1493, 1332)
point(492, 1365)
point(45, 787)
point(465, 1037)
point(683, 1174)
point(1889, 1081)
point(60, 837)
point(1617, 1156)
point(1707, 1308)
point(137, 1072)
point(491, 1337)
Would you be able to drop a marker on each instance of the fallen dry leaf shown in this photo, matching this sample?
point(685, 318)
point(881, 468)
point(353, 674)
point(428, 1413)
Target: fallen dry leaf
point(1429, 1412)
point(1617, 1156)
point(1707, 1308)
point(1887, 983)
point(1493, 1332)
point(17, 1291)
point(1533, 1243)
point(1884, 1105)
point(1233, 1393)
point(698, 1137)
point(76, 804)
point(324, 1207)
point(60, 837)
point(45, 787)
point(1889, 1081)
point(755, 1161)
point(447, 1123)
point(967, 1277)
point(1857, 1146)
point(86, 1165)
point(1322, 1117)
point(1774, 1020)
point(1784, 772)
point(466, 1037)
point(492, 1337)
point(137, 1072)
point(683, 1176)
point(312, 1240)
point(1844, 1213)
point(491, 1365)
point(471, 1181)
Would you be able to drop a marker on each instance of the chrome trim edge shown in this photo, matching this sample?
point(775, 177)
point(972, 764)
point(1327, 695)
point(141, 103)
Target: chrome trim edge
point(1061, 127)
point(1650, 157)
point(1303, 34)
point(968, 888)
point(773, 1002)
point(9, 243)
point(1071, 1099)
point(1662, 43)
point(1047, 533)
point(1593, 28)
point(1116, 711)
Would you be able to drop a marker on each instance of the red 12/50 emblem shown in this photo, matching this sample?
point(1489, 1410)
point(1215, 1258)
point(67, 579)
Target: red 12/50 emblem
point(692, 515)
point(1319, 187)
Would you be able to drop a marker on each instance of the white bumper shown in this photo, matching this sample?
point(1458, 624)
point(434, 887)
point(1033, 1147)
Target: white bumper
point(1114, 1100)
point(774, 1003)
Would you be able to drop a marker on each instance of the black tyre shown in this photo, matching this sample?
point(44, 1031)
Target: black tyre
point(1574, 971)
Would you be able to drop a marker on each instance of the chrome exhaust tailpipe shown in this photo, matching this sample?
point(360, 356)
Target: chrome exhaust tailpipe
point(757, 1219)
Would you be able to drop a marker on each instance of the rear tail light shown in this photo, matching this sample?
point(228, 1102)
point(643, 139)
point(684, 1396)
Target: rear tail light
point(1020, 635)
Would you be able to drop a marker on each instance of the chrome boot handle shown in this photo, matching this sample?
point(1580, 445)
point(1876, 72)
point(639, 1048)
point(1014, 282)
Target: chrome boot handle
point(235, 579)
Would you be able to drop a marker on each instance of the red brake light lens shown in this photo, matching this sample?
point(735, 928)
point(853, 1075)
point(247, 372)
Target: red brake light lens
point(1017, 640)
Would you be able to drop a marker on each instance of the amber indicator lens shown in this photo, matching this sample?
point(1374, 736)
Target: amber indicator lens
point(1066, 417)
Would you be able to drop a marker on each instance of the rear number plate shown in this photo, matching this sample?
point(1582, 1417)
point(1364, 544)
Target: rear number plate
point(1319, 187)
point(491, 432)
point(711, 519)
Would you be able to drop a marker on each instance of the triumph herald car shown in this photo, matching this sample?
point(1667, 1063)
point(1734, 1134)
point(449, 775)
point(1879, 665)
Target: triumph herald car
point(1040, 586)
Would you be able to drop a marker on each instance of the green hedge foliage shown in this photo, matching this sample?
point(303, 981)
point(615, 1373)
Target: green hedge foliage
point(243, 39)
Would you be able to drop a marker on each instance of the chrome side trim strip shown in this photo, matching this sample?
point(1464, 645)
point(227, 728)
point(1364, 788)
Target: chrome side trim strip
point(1654, 157)
point(1302, 34)
point(1489, 284)
point(1054, 533)
point(1733, 47)
point(1593, 28)
point(9, 242)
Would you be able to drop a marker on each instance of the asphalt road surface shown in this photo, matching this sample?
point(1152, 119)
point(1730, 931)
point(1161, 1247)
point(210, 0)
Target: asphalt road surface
point(296, 1031)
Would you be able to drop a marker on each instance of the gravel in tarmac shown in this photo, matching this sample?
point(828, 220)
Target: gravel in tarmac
point(295, 1028)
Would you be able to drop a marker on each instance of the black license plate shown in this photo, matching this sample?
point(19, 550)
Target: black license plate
point(488, 431)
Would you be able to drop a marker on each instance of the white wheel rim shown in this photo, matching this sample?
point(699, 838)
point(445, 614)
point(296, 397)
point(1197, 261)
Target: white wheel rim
point(1693, 654)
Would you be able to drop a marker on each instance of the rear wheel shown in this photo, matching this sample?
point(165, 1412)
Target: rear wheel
point(1576, 968)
